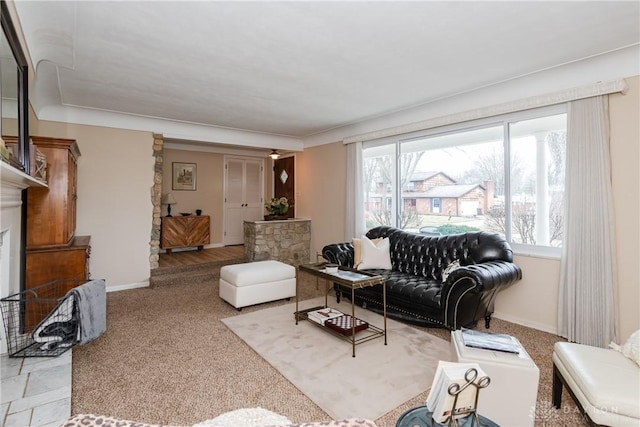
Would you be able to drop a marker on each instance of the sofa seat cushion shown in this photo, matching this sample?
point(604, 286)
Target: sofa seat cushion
point(606, 383)
point(408, 290)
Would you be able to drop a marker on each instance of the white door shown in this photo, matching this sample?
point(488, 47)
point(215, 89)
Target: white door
point(243, 196)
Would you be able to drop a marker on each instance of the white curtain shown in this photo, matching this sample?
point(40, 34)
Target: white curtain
point(588, 304)
point(355, 225)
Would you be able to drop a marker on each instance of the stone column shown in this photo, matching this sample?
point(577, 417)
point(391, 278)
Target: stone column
point(156, 200)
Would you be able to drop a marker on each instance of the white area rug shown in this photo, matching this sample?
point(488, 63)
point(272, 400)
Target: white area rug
point(379, 379)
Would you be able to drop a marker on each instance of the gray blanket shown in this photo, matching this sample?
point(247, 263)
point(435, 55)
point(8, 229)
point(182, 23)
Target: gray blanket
point(91, 305)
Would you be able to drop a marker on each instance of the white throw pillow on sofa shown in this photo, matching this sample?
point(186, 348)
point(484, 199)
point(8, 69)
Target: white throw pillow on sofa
point(375, 255)
point(357, 250)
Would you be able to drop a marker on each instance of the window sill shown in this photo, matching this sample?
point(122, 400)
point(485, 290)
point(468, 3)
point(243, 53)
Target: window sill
point(536, 251)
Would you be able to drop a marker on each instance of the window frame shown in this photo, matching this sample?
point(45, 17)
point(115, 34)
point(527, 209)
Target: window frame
point(505, 121)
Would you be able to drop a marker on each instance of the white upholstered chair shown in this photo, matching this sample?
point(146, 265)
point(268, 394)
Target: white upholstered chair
point(604, 383)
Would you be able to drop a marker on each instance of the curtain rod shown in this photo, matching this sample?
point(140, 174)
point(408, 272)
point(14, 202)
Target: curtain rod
point(581, 92)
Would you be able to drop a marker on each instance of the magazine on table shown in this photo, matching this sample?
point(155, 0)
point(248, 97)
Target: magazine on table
point(490, 341)
point(441, 403)
point(350, 275)
point(324, 314)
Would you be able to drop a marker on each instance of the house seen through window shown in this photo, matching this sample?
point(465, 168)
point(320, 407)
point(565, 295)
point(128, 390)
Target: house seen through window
point(504, 176)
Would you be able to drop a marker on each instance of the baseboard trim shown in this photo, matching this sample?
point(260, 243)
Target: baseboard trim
point(527, 323)
point(128, 286)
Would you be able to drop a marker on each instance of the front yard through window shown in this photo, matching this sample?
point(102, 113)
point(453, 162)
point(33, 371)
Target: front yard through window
point(506, 177)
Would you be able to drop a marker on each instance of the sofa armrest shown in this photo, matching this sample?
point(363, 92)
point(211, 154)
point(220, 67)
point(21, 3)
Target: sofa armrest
point(487, 275)
point(474, 281)
point(339, 253)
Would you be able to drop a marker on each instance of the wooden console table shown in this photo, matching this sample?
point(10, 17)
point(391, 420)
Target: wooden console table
point(184, 232)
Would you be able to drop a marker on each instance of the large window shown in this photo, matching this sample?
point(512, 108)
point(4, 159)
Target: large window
point(504, 175)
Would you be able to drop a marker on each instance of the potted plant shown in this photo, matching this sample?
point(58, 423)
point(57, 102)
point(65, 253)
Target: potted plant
point(277, 208)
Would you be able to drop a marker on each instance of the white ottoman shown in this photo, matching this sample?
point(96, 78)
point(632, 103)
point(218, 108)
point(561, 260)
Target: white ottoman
point(252, 283)
point(510, 399)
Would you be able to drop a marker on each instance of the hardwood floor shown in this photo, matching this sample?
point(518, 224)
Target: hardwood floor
point(193, 257)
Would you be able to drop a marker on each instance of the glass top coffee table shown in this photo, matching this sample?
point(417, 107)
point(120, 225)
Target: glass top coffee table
point(353, 279)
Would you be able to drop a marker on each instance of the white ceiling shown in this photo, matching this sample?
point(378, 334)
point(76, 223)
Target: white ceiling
point(300, 68)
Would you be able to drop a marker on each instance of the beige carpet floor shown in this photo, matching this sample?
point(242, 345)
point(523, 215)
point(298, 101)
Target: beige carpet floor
point(380, 377)
point(167, 358)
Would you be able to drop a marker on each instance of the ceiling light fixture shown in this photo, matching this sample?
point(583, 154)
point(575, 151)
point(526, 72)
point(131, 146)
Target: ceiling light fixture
point(274, 154)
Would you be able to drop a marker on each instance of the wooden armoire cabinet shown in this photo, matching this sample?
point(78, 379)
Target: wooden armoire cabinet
point(54, 252)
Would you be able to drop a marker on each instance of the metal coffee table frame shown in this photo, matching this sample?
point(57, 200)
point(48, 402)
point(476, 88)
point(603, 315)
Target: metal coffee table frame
point(368, 334)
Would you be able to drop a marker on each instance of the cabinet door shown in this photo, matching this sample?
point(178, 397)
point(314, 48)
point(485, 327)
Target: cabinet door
point(51, 212)
point(197, 232)
point(173, 232)
point(184, 231)
point(68, 267)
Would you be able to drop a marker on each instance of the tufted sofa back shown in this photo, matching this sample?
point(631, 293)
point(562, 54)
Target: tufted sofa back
point(427, 256)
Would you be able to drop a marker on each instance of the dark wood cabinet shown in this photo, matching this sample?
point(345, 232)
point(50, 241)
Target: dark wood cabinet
point(53, 251)
point(51, 212)
point(184, 231)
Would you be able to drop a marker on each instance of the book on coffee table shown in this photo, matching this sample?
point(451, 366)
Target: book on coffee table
point(490, 341)
point(324, 314)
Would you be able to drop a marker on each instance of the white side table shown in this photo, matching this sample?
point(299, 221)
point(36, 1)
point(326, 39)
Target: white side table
point(510, 398)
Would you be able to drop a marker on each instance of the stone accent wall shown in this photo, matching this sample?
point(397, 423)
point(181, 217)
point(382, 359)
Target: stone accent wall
point(156, 200)
point(288, 241)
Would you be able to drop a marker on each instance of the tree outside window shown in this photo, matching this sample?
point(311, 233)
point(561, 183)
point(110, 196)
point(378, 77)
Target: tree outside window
point(473, 180)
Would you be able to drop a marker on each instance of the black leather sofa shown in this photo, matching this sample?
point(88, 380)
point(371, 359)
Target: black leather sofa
point(415, 290)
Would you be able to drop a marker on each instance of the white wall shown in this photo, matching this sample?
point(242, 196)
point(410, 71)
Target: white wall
point(115, 176)
point(209, 193)
point(624, 113)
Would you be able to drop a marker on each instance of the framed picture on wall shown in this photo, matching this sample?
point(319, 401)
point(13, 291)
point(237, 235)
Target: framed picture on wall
point(184, 176)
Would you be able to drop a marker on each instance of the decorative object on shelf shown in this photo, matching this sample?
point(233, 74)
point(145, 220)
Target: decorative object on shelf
point(274, 154)
point(454, 395)
point(168, 200)
point(198, 212)
point(39, 165)
point(4, 151)
point(185, 213)
point(184, 176)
